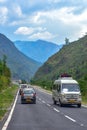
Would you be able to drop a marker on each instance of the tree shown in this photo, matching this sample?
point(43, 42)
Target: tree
point(66, 41)
point(4, 64)
point(5, 74)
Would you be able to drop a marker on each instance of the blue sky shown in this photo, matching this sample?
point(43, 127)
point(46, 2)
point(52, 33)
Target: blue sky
point(50, 20)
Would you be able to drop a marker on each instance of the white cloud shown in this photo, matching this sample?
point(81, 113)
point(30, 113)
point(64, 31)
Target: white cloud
point(3, 1)
point(24, 31)
point(63, 21)
point(16, 10)
point(65, 15)
point(42, 35)
point(37, 18)
point(3, 15)
point(54, 1)
point(58, 17)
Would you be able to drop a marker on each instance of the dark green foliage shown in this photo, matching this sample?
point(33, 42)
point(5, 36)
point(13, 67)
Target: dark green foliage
point(6, 99)
point(5, 74)
point(83, 84)
point(66, 41)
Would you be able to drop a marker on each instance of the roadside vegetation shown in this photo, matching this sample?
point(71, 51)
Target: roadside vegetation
point(7, 90)
point(83, 87)
point(5, 74)
point(6, 99)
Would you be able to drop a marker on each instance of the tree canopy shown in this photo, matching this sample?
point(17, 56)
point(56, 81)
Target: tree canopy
point(5, 74)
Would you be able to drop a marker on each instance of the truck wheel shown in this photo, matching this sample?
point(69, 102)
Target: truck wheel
point(54, 102)
point(79, 105)
point(60, 104)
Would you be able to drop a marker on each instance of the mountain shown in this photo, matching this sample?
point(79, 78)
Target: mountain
point(71, 59)
point(38, 50)
point(22, 67)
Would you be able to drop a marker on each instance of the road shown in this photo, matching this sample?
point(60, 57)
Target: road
point(45, 116)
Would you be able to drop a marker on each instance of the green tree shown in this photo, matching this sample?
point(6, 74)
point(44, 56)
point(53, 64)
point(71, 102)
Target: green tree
point(66, 41)
point(5, 74)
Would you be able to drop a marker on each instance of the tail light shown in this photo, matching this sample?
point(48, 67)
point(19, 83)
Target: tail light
point(34, 94)
point(22, 94)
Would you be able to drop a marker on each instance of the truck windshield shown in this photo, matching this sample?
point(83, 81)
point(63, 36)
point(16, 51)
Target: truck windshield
point(70, 88)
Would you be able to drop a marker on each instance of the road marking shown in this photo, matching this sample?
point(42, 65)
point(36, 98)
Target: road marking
point(10, 115)
point(81, 124)
point(43, 101)
point(48, 105)
point(70, 118)
point(56, 109)
point(40, 99)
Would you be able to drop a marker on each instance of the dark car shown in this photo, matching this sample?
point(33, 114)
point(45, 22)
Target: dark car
point(28, 95)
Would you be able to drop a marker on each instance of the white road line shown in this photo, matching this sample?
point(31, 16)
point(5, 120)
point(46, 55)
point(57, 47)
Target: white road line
point(10, 115)
point(48, 105)
point(43, 101)
point(37, 97)
point(40, 99)
point(56, 109)
point(81, 124)
point(70, 118)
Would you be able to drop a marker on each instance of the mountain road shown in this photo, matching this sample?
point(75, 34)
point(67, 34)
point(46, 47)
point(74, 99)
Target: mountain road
point(44, 115)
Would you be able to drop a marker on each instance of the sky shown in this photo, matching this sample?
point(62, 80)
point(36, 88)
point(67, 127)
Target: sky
point(50, 20)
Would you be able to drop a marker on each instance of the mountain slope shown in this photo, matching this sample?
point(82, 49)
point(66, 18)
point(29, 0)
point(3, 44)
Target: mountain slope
point(72, 59)
point(38, 50)
point(21, 66)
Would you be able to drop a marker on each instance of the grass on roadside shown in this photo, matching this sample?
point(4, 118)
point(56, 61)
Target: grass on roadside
point(84, 100)
point(6, 99)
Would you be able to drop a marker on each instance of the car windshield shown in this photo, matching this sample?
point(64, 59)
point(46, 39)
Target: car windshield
point(29, 92)
point(70, 88)
point(23, 86)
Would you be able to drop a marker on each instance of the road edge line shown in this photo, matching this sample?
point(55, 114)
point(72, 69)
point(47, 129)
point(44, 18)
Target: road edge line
point(10, 115)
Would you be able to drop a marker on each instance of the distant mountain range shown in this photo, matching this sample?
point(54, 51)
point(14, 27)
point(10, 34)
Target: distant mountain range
point(71, 59)
point(22, 67)
point(38, 50)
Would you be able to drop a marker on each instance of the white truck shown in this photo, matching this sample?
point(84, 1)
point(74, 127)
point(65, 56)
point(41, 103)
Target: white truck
point(66, 90)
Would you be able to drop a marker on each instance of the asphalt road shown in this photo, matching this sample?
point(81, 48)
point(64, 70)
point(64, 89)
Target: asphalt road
point(45, 116)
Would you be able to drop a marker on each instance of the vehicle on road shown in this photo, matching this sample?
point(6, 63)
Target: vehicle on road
point(28, 95)
point(21, 87)
point(66, 90)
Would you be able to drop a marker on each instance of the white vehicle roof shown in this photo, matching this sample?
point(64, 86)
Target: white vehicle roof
point(66, 80)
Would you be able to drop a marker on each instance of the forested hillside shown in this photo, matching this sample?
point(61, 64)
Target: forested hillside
point(71, 59)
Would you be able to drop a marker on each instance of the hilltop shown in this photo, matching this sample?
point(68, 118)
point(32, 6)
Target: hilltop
point(38, 50)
